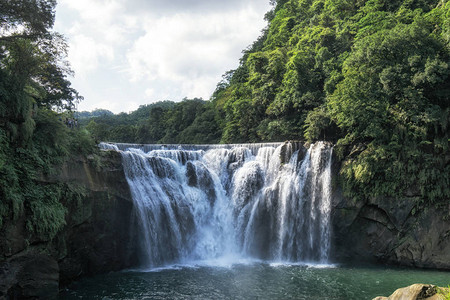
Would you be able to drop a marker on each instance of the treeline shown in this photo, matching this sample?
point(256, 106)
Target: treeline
point(81, 115)
point(191, 121)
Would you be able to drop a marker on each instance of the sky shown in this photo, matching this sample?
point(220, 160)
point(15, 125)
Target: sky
point(127, 53)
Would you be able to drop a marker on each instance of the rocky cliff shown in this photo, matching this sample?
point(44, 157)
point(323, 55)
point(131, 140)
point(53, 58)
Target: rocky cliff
point(97, 234)
point(391, 231)
point(94, 240)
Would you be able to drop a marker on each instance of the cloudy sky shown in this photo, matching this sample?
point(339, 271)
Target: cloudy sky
point(126, 53)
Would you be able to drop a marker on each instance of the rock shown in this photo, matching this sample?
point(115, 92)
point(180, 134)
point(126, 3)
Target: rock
point(414, 292)
point(191, 174)
point(13, 237)
point(96, 238)
point(389, 231)
point(427, 244)
point(288, 148)
point(29, 276)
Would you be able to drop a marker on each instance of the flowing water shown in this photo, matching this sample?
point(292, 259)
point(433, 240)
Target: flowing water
point(236, 222)
point(258, 201)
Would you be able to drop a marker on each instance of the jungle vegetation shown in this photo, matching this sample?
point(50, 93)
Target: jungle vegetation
point(372, 76)
point(35, 95)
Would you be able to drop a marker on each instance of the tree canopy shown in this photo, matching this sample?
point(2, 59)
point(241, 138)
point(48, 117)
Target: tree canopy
point(191, 121)
point(33, 140)
point(26, 18)
point(371, 75)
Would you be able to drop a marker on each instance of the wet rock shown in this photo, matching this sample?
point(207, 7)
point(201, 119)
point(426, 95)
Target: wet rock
point(206, 184)
point(14, 237)
point(248, 182)
point(237, 158)
point(198, 176)
point(287, 149)
point(191, 174)
point(161, 167)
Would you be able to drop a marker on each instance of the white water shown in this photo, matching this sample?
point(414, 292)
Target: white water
point(230, 202)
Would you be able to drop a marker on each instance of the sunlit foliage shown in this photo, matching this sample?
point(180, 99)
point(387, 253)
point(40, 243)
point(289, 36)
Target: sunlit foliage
point(34, 141)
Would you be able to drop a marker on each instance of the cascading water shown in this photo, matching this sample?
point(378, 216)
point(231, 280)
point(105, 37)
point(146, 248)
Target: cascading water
point(264, 201)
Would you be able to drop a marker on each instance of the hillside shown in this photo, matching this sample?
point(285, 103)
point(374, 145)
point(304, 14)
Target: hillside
point(371, 76)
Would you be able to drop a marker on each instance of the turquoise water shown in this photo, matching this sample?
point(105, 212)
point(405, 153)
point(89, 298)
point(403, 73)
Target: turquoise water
point(252, 281)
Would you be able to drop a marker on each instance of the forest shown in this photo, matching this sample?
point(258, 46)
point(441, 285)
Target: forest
point(371, 76)
point(35, 94)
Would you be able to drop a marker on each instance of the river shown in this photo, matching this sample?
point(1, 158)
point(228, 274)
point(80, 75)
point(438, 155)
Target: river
point(255, 280)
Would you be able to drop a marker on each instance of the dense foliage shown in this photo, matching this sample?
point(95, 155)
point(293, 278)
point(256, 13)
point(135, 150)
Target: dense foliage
point(34, 142)
point(372, 75)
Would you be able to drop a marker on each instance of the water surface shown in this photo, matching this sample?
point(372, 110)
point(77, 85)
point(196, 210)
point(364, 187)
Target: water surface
point(252, 281)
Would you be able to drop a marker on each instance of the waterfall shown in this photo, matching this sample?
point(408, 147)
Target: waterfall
point(202, 202)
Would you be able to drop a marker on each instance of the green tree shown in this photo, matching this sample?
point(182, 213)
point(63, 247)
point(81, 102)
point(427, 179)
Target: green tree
point(26, 19)
point(394, 100)
point(33, 85)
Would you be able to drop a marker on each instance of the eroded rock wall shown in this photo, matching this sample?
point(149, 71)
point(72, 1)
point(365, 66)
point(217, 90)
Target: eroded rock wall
point(390, 231)
point(94, 240)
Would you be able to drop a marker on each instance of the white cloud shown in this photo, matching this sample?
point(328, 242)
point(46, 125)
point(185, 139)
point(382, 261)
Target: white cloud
point(155, 49)
point(86, 54)
point(101, 18)
point(189, 50)
point(149, 92)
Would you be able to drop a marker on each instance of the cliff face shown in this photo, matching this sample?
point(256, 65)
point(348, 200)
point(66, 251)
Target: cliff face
point(97, 235)
point(94, 240)
point(390, 231)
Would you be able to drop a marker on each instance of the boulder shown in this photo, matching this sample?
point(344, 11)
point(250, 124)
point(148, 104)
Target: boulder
point(415, 292)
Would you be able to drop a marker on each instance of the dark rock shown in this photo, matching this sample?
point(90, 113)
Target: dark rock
point(191, 174)
point(161, 167)
point(301, 153)
point(287, 149)
point(29, 276)
point(426, 244)
point(206, 183)
point(14, 237)
point(198, 176)
point(96, 238)
point(385, 230)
